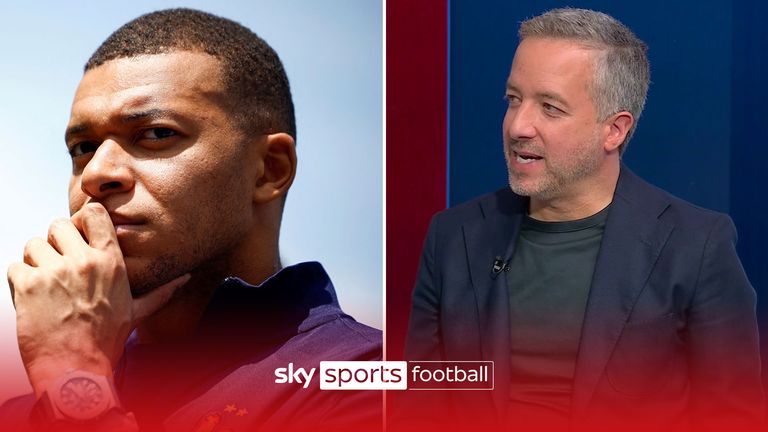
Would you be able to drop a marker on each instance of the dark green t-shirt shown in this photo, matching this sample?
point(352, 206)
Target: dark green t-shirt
point(548, 281)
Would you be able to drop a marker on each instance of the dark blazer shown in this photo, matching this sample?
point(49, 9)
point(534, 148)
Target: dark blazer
point(669, 338)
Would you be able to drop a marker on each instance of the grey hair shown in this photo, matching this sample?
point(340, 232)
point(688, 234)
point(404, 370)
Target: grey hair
point(622, 72)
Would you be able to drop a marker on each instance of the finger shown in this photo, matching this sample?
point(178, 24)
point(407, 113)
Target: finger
point(151, 302)
point(39, 252)
point(97, 226)
point(64, 236)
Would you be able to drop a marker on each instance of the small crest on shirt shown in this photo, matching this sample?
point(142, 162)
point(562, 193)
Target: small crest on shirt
point(216, 421)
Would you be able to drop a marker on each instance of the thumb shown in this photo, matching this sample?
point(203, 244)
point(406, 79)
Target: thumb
point(151, 302)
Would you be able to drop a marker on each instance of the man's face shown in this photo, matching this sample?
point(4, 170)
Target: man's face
point(552, 138)
point(151, 139)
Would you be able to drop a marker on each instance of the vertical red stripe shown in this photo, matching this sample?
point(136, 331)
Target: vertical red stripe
point(417, 44)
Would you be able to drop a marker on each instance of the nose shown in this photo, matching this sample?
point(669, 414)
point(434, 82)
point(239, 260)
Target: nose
point(107, 172)
point(519, 122)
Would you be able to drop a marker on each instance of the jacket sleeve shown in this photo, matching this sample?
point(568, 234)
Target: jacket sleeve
point(724, 358)
point(424, 340)
point(415, 411)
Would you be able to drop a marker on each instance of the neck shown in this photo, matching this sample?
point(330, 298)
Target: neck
point(583, 199)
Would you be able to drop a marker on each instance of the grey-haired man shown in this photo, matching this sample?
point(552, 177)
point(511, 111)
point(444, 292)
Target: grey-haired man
point(606, 303)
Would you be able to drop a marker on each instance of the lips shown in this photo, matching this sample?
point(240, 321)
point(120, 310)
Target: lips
point(124, 220)
point(526, 157)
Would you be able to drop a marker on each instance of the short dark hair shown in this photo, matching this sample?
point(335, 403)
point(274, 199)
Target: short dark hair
point(254, 77)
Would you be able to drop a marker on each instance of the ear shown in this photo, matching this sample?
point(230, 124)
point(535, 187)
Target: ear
point(618, 126)
point(279, 163)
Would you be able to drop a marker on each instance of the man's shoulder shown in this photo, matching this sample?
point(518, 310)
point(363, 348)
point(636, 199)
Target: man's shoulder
point(500, 202)
point(317, 326)
point(662, 205)
point(340, 337)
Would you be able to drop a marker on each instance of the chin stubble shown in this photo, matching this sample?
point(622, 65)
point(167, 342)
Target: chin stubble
point(556, 180)
point(160, 271)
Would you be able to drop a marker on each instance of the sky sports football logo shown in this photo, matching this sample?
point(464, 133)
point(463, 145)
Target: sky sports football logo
point(392, 375)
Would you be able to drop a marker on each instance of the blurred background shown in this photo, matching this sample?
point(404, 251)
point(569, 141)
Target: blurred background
point(332, 52)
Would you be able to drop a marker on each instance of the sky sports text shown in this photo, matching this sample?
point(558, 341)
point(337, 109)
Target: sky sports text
point(392, 375)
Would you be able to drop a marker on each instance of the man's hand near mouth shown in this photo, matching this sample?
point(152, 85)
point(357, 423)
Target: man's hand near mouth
point(74, 309)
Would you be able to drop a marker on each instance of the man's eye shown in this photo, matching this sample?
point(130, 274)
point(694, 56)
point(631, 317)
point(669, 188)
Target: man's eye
point(551, 109)
point(157, 133)
point(512, 99)
point(82, 148)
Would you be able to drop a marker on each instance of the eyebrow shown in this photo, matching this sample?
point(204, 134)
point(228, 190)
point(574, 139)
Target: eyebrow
point(153, 114)
point(75, 130)
point(133, 117)
point(543, 95)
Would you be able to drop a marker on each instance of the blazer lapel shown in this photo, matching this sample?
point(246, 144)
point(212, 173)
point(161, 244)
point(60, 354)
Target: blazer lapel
point(490, 240)
point(633, 239)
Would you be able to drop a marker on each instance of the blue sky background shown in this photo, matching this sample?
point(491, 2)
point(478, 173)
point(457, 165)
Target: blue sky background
point(332, 51)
